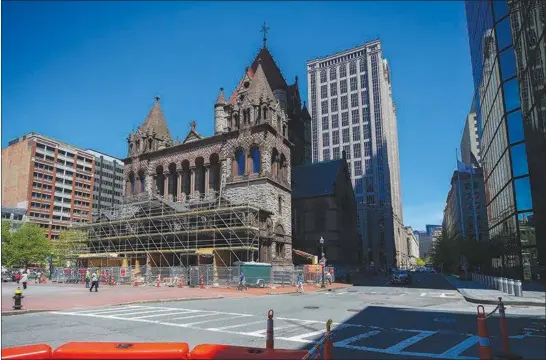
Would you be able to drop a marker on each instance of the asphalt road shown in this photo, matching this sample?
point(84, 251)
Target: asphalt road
point(426, 320)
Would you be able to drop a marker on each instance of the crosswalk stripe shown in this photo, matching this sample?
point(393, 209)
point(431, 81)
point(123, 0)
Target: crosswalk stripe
point(162, 314)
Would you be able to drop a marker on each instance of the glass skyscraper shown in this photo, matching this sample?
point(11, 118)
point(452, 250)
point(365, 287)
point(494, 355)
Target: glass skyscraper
point(507, 49)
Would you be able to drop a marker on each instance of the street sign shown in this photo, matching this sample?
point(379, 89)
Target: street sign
point(123, 272)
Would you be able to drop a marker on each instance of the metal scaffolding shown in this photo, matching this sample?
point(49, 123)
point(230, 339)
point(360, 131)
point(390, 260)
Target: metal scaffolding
point(160, 232)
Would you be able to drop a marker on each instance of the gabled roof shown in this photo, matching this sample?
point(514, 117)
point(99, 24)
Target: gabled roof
point(315, 179)
point(193, 135)
point(260, 85)
point(155, 121)
point(271, 70)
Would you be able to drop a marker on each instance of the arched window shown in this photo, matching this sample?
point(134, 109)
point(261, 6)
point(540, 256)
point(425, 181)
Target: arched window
point(245, 117)
point(133, 183)
point(150, 144)
point(142, 182)
point(240, 158)
point(265, 113)
point(237, 124)
point(255, 154)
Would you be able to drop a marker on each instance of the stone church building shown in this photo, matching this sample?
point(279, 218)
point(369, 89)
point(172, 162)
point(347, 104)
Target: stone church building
point(259, 134)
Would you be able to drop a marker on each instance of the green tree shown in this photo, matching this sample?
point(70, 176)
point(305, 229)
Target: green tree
point(6, 237)
point(26, 246)
point(70, 243)
point(446, 253)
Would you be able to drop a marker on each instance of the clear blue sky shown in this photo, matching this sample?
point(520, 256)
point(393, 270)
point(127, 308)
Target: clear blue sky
point(87, 72)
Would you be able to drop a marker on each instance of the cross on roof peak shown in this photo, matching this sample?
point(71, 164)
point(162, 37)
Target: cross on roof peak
point(265, 30)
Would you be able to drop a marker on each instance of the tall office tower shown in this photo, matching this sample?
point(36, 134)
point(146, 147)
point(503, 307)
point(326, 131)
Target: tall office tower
point(108, 189)
point(352, 110)
point(507, 49)
point(52, 180)
point(470, 143)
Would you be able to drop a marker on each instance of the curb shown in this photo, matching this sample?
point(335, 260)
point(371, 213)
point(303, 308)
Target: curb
point(22, 312)
point(495, 302)
point(319, 290)
point(169, 300)
point(505, 302)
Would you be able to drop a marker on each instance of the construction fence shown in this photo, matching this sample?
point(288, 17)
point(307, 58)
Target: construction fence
point(192, 276)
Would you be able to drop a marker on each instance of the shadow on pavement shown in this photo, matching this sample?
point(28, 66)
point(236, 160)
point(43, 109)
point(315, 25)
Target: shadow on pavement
point(390, 333)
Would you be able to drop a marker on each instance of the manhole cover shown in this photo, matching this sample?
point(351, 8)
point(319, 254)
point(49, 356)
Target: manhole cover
point(444, 320)
point(311, 307)
point(354, 310)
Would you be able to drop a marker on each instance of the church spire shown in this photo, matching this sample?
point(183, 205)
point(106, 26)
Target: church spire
point(265, 30)
point(221, 100)
point(155, 122)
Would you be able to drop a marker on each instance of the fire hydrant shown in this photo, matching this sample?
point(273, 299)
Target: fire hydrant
point(17, 299)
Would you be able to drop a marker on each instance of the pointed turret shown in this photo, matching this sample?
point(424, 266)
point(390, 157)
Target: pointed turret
point(155, 122)
point(220, 121)
point(221, 100)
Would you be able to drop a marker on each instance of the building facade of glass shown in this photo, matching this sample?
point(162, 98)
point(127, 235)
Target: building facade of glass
point(507, 49)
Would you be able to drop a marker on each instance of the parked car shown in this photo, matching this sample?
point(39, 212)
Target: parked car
point(401, 277)
point(7, 277)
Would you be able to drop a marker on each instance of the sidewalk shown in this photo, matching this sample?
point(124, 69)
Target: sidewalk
point(53, 296)
point(479, 294)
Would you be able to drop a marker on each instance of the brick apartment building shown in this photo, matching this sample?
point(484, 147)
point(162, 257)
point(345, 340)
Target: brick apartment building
point(52, 180)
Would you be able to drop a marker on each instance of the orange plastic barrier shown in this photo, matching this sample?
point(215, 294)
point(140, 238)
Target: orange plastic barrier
point(228, 352)
point(36, 352)
point(116, 350)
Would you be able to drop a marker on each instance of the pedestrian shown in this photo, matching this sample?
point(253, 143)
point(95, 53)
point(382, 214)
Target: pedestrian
point(329, 278)
point(87, 279)
point(300, 283)
point(94, 282)
point(242, 282)
point(24, 279)
point(18, 277)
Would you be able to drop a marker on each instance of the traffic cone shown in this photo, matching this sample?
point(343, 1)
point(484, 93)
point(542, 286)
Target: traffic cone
point(328, 343)
point(269, 342)
point(483, 336)
point(202, 283)
point(503, 328)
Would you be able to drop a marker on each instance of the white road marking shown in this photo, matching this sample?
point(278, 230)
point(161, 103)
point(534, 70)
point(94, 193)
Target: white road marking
point(356, 338)
point(236, 326)
point(395, 349)
point(310, 337)
point(424, 294)
point(460, 347)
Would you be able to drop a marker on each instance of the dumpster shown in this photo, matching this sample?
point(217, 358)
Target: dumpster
point(256, 274)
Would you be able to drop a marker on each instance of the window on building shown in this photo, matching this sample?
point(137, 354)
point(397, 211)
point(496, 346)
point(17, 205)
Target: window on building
point(345, 118)
point(343, 86)
point(355, 116)
point(279, 204)
point(362, 65)
point(354, 100)
point(335, 121)
point(356, 133)
point(352, 68)
point(345, 135)
point(240, 158)
point(353, 83)
point(344, 103)
point(333, 89)
point(366, 130)
point(326, 139)
point(333, 104)
point(358, 167)
point(324, 107)
point(335, 137)
point(326, 154)
point(368, 165)
point(367, 148)
point(325, 123)
point(256, 161)
point(336, 155)
point(333, 73)
point(347, 149)
point(357, 151)
point(343, 70)
point(324, 91)
point(323, 76)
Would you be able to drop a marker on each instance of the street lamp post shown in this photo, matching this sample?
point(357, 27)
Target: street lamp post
point(323, 285)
